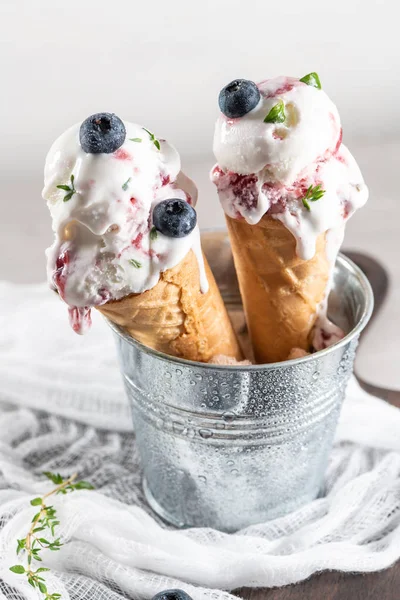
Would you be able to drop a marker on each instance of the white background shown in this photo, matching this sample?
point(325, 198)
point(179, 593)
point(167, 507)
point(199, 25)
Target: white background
point(162, 64)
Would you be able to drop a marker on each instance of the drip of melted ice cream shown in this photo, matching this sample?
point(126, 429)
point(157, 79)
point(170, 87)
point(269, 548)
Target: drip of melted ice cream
point(105, 247)
point(267, 168)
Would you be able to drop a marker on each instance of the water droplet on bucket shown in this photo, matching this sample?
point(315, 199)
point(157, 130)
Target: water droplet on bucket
point(178, 371)
point(235, 472)
point(198, 376)
point(202, 478)
point(168, 375)
point(205, 433)
point(230, 463)
point(178, 428)
point(229, 416)
point(315, 375)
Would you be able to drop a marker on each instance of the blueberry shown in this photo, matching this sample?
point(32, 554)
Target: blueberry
point(174, 218)
point(102, 133)
point(238, 98)
point(172, 595)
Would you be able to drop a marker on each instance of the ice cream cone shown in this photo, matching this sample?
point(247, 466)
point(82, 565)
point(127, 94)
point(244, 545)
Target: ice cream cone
point(280, 291)
point(176, 318)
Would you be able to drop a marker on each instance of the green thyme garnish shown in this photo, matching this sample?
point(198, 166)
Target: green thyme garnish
point(135, 263)
point(43, 527)
point(70, 189)
point(138, 140)
point(153, 138)
point(153, 233)
point(312, 195)
point(312, 79)
point(126, 184)
point(276, 114)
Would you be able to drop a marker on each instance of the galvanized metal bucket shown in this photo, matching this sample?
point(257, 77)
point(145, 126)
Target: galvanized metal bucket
point(225, 447)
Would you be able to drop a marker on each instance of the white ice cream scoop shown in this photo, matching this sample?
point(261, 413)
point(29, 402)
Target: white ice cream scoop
point(101, 190)
point(305, 127)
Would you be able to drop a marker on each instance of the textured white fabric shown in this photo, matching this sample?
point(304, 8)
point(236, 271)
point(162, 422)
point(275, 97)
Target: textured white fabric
point(115, 547)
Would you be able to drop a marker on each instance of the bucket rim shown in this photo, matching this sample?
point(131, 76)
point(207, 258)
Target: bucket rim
point(342, 261)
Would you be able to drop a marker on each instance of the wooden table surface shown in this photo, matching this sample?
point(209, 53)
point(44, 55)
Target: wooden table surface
point(384, 585)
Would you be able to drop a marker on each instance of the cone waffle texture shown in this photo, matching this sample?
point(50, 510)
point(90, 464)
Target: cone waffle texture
point(176, 318)
point(280, 291)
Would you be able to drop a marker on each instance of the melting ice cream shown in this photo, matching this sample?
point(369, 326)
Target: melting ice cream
point(281, 154)
point(101, 201)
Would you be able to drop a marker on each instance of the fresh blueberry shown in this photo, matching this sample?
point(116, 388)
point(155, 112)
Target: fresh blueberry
point(238, 98)
point(102, 133)
point(174, 218)
point(172, 595)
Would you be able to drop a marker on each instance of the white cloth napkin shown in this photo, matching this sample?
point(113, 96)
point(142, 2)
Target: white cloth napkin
point(62, 408)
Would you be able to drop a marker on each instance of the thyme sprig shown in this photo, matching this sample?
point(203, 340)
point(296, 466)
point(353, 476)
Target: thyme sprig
point(313, 80)
point(126, 184)
point(35, 541)
point(276, 114)
point(313, 194)
point(153, 138)
point(135, 263)
point(69, 189)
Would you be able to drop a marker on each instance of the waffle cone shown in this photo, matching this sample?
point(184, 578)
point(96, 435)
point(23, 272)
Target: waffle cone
point(176, 318)
point(280, 291)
